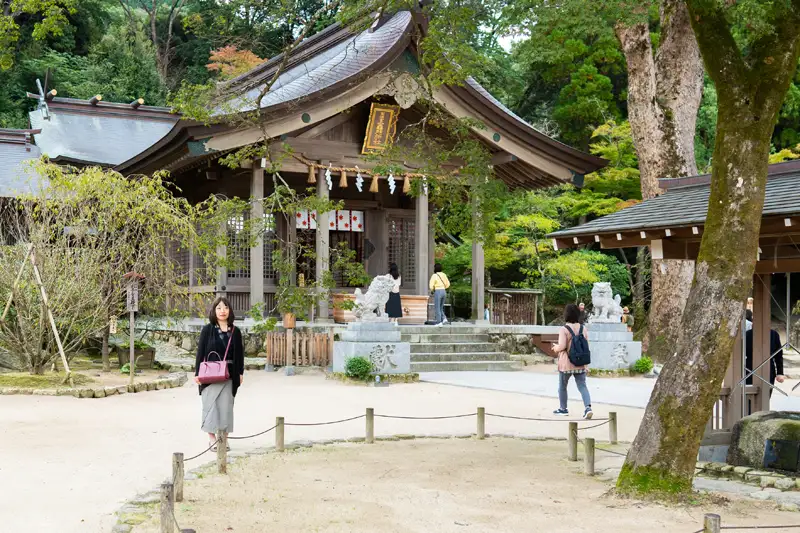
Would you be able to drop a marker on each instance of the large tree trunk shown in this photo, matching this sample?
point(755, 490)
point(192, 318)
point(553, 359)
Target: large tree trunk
point(670, 282)
point(664, 93)
point(662, 457)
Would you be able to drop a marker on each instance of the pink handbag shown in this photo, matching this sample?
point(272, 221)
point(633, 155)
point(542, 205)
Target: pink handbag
point(215, 371)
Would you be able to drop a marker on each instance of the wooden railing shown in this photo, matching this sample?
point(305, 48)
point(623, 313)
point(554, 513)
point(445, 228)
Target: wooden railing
point(719, 427)
point(299, 348)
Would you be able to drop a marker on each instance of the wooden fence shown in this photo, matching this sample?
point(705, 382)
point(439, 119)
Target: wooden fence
point(299, 348)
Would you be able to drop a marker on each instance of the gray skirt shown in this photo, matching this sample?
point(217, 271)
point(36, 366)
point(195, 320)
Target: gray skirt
point(218, 407)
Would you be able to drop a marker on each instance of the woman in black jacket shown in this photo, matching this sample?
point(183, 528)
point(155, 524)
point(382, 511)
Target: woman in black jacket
point(216, 337)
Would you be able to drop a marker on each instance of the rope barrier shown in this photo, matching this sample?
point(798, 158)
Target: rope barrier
point(745, 528)
point(546, 419)
point(325, 423)
point(595, 426)
point(201, 453)
point(253, 435)
point(425, 417)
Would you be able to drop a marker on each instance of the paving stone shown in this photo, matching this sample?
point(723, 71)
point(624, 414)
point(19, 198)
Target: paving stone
point(785, 483)
point(761, 495)
point(149, 497)
point(755, 475)
point(727, 469)
point(122, 528)
point(740, 471)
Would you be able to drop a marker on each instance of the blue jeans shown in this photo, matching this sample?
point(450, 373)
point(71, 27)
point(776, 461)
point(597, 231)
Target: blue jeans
point(439, 296)
point(580, 381)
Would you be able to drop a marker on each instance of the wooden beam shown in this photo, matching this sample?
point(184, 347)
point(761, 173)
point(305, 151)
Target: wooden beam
point(328, 124)
point(502, 158)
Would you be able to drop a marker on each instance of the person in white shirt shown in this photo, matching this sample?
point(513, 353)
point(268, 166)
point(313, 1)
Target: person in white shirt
point(394, 307)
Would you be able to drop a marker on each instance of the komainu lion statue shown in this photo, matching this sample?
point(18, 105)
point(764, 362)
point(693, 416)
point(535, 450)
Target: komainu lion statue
point(605, 306)
point(374, 300)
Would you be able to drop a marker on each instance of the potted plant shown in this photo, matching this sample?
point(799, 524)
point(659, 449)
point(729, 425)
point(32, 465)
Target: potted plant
point(354, 274)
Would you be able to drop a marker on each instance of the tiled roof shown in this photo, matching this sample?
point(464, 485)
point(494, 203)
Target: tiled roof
point(106, 134)
point(345, 60)
point(16, 175)
point(688, 205)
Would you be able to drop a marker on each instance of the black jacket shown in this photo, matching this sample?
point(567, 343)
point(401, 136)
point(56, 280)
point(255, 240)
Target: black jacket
point(210, 342)
point(775, 365)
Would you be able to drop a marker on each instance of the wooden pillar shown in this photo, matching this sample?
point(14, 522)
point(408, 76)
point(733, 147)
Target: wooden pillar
point(222, 271)
point(762, 323)
point(478, 267)
point(291, 239)
point(257, 252)
point(431, 258)
point(323, 240)
point(421, 242)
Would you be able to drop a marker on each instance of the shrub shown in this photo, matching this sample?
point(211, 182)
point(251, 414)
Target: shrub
point(643, 365)
point(358, 368)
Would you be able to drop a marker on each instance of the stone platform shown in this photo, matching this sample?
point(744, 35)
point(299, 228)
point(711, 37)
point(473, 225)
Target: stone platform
point(612, 346)
point(378, 341)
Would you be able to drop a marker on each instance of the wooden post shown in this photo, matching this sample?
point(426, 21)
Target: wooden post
point(279, 427)
point(167, 509)
point(481, 423)
point(132, 366)
point(588, 456)
point(222, 452)
point(370, 425)
point(612, 427)
point(712, 523)
point(177, 475)
point(572, 439)
point(289, 347)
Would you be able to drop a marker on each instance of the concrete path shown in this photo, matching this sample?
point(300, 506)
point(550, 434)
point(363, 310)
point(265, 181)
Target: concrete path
point(67, 464)
point(543, 382)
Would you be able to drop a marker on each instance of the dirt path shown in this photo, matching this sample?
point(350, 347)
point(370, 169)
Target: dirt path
point(67, 464)
point(454, 485)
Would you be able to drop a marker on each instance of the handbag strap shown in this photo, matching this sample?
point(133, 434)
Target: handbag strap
point(230, 338)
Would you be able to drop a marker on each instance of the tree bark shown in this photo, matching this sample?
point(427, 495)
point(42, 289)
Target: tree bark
point(670, 282)
point(664, 93)
point(662, 457)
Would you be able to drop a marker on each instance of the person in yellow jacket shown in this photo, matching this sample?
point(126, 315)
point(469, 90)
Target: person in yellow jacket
point(439, 285)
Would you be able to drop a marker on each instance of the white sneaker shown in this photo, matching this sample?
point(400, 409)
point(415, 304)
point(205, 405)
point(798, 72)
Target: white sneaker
point(440, 324)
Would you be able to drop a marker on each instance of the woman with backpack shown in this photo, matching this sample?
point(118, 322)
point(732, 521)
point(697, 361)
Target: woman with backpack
point(572, 350)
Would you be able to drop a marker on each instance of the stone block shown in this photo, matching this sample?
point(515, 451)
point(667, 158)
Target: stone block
point(750, 434)
point(790, 507)
point(614, 354)
point(99, 393)
point(767, 481)
point(111, 391)
point(761, 495)
point(187, 343)
point(86, 393)
point(740, 471)
point(387, 357)
point(755, 475)
point(785, 483)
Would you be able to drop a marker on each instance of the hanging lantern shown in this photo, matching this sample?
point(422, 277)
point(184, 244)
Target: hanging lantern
point(312, 175)
point(406, 185)
point(343, 180)
point(373, 187)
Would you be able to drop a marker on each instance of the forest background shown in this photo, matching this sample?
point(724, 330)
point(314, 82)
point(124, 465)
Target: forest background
point(566, 75)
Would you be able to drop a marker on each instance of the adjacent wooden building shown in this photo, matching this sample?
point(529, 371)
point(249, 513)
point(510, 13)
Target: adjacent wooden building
point(672, 224)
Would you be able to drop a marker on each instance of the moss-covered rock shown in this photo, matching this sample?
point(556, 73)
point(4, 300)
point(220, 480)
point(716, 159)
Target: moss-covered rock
point(751, 432)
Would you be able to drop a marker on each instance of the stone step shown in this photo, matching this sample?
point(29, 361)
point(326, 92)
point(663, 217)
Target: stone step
point(458, 366)
point(456, 357)
point(443, 338)
point(456, 347)
point(422, 330)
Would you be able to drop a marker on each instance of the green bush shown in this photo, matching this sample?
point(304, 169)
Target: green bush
point(358, 368)
point(643, 365)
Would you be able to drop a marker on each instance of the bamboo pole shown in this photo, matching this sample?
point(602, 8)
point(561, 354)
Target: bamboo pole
point(32, 258)
point(16, 282)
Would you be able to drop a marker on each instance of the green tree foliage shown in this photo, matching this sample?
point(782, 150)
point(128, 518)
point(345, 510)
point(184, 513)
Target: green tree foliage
point(43, 18)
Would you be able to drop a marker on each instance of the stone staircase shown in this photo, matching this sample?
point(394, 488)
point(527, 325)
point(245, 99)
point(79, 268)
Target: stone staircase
point(453, 348)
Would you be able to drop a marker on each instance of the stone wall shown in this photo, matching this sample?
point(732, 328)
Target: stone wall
point(187, 340)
